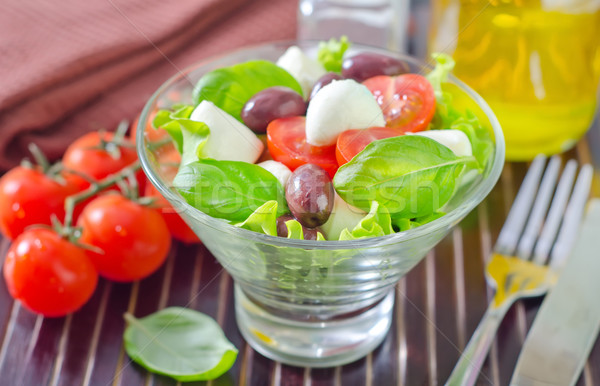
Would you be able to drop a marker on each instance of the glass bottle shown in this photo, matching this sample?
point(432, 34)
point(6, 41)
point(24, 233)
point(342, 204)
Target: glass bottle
point(536, 62)
point(381, 23)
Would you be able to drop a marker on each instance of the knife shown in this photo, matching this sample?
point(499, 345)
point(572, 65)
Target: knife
point(565, 328)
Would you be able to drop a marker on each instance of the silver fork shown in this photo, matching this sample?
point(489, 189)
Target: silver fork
point(529, 252)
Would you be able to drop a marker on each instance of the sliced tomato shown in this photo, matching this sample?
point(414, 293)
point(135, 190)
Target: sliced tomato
point(352, 142)
point(286, 140)
point(407, 101)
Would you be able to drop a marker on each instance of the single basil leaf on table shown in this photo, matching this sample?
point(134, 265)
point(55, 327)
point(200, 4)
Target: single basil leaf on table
point(180, 343)
point(231, 190)
point(230, 87)
point(411, 176)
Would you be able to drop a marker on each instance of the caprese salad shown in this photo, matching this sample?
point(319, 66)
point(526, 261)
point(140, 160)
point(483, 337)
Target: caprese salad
point(356, 145)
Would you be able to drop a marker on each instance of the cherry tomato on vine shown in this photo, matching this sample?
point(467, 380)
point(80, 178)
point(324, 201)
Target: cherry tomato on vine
point(48, 274)
point(28, 196)
point(286, 140)
point(407, 101)
point(134, 238)
point(100, 154)
point(352, 142)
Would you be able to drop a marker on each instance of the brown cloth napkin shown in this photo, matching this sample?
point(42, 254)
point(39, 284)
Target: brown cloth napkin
point(73, 66)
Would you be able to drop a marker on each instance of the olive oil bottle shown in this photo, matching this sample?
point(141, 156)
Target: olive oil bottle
point(536, 62)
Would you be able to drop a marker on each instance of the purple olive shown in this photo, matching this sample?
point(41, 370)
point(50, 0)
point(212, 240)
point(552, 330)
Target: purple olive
point(270, 104)
point(282, 231)
point(324, 81)
point(366, 65)
point(309, 193)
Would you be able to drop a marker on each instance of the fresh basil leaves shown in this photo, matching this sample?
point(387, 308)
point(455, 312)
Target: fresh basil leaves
point(230, 87)
point(180, 343)
point(411, 176)
point(231, 190)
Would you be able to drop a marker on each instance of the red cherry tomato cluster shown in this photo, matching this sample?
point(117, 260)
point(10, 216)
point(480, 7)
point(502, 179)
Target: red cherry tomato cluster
point(70, 224)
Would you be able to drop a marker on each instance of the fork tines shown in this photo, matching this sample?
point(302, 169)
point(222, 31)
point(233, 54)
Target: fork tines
point(531, 230)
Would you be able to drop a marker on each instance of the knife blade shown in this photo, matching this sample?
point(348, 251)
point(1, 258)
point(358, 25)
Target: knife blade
point(567, 324)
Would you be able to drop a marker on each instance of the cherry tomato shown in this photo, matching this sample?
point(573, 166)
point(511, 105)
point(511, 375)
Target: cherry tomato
point(178, 228)
point(286, 140)
point(28, 196)
point(134, 239)
point(352, 142)
point(92, 155)
point(48, 274)
point(407, 101)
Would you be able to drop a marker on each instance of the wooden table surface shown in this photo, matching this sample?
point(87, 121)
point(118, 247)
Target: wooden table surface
point(438, 306)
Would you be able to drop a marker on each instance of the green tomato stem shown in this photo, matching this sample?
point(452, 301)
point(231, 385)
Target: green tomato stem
point(94, 189)
point(39, 157)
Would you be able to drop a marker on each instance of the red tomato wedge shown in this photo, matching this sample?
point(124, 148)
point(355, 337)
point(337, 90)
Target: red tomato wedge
point(286, 140)
point(352, 142)
point(407, 101)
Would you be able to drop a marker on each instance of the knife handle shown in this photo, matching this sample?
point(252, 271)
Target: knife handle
point(467, 369)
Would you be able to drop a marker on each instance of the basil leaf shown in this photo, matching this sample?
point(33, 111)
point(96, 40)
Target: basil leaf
point(231, 190)
point(180, 343)
point(230, 87)
point(331, 53)
point(411, 175)
point(404, 224)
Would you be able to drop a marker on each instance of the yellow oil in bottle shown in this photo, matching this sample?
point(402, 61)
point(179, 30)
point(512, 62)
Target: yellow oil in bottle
point(536, 62)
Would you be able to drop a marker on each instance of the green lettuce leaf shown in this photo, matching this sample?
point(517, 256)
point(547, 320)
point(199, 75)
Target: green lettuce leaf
point(294, 229)
point(263, 219)
point(444, 64)
point(331, 53)
point(480, 138)
point(230, 87)
point(171, 120)
point(447, 116)
point(376, 223)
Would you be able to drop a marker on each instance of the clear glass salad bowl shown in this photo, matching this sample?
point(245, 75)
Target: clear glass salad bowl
point(311, 303)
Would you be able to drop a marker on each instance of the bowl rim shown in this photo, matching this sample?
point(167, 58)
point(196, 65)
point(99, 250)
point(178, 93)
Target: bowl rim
point(465, 207)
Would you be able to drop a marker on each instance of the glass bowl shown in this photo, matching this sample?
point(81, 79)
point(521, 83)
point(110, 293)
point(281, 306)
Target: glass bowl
point(311, 303)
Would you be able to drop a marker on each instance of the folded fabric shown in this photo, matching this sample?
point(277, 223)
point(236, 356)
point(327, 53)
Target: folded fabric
point(73, 66)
